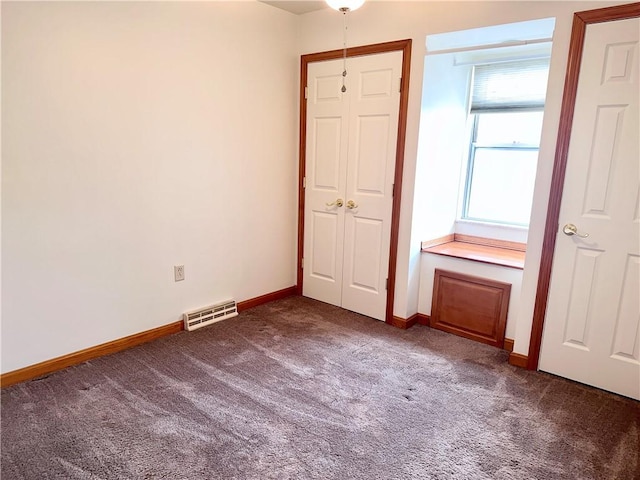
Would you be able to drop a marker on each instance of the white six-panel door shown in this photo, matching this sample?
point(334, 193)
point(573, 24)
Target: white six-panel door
point(592, 324)
point(350, 163)
point(325, 182)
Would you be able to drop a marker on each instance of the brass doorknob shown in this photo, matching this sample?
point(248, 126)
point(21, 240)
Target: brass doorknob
point(570, 229)
point(351, 204)
point(338, 203)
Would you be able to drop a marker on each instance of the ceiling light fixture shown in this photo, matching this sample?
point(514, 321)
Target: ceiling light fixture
point(344, 6)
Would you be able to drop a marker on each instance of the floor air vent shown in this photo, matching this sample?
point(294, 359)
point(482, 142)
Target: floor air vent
point(211, 314)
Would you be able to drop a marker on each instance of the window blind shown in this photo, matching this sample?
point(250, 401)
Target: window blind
point(517, 85)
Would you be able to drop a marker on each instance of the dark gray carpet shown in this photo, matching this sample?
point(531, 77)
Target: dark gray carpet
point(297, 389)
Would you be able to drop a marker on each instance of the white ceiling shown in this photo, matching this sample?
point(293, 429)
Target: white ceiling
point(297, 7)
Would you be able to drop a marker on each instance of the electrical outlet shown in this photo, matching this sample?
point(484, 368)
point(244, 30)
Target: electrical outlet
point(178, 273)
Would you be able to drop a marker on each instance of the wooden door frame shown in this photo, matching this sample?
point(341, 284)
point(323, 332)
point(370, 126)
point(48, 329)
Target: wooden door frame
point(405, 47)
point(580, 22)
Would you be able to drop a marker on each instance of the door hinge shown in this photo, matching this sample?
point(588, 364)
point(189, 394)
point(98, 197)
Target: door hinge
point(302, 263)
point(306, 93)
point(400, 85)
point(393, 190)
point(386, 287)
point(304, 182)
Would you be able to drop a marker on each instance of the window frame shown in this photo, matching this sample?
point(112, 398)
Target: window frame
point(473, 147)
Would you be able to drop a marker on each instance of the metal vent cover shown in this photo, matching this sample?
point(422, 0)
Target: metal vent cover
point(208, 315)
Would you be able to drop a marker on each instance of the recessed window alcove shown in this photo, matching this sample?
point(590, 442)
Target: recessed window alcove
point(450, 240)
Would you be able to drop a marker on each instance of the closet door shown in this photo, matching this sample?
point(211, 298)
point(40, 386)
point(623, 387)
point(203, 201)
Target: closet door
point(374, 91)
point(325, 179)
point(351, 151)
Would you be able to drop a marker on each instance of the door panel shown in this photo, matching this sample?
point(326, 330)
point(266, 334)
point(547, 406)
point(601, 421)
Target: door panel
point(326, 157)
point(592, 327)
point(351, 143)
point(367, 245)
point(602, 160)
point(625, 344)
point(580, 311)
point(376, 83)
point(323, 255)
point(371, 154)
point(372, 149)
point(327, 87)
point(326, 170)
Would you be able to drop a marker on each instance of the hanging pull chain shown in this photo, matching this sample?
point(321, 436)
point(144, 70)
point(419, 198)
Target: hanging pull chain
point(344, 48)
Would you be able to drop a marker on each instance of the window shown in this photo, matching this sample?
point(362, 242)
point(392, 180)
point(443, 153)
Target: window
point(506, 112)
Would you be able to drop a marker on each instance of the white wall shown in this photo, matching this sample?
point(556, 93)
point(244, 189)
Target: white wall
point(138, 136)
point(385, 21)
point(441, 146)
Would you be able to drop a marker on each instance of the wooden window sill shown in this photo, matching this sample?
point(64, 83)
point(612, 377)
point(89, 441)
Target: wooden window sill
point(478, 249)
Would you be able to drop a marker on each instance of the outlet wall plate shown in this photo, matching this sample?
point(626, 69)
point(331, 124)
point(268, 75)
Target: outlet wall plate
point(178, 273)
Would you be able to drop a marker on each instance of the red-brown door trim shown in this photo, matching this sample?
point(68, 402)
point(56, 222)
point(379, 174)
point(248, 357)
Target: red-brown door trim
point(400, 45)
point(580, 22)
